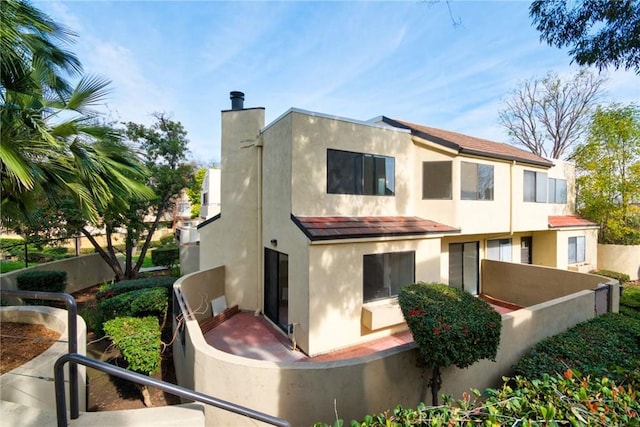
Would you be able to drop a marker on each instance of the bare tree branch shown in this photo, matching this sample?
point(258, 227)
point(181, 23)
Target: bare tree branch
point(548, 115)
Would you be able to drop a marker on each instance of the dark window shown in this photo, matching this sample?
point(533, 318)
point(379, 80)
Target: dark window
point(384, 274)
point(476, 181)
point(357, 173)
point(535, 186)
point(557, 190)
point(576, 249)
point(436, 180)
point(205, 198)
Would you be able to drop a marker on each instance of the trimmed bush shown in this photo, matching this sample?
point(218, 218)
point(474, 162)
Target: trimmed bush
point(620, 277)
point(630, 302)
point(138, 340)
point(42, 281)
point(606, 345)
point(167, 256)
point(450, 327)
point(113, 289)
point(138, 303)
point(168, 240)
point(567, 399)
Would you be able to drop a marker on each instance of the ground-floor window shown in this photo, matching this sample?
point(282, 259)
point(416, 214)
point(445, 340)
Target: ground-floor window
point(499, 250)
point(384, 274)
point(576, 249)
point(463, 266)
point(526, 253)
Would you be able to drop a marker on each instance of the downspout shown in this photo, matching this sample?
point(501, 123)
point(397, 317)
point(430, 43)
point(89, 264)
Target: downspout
point(260, 276)
point(511, 172)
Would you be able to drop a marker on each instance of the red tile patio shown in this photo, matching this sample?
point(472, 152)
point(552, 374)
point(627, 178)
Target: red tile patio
point(254, 337)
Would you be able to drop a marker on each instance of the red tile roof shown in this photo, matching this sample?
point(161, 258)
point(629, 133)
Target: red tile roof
point(471, 145)
point(560, 221)
point(347, 227)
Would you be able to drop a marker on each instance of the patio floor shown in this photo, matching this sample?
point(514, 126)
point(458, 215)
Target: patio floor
point(255, 337)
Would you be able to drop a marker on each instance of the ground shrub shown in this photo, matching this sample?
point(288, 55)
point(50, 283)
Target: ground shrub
point(166, 256)
point(620, 277)
point(439, 315)
point(42, 281)
point(137, 303)
point(168, 240)
point(117, 288)
point(138, 340)
point(567, 399)
point(606, 345)
point(630, 302)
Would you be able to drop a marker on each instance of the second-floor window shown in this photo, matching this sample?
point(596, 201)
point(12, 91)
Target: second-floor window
point(384, 274)
point(359, 173)
point(576, 249)
point(476, 181)
point(436, 180)
point(557, 190)
point(535, 186)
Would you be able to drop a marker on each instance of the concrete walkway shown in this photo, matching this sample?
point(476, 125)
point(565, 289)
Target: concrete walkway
point(192, 415)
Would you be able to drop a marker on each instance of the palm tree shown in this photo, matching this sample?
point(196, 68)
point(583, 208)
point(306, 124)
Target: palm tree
point(31, 56)
point(51, 143)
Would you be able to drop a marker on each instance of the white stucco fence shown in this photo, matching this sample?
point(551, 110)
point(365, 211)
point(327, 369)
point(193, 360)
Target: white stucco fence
point(623, 259)
point(304, 392)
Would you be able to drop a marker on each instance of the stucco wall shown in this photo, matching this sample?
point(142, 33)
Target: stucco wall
point(336, 289)
point(82, 272)
point(304, 392)
point(32, 383)
point(528, 285)
point(189, 258)
point(623, 259)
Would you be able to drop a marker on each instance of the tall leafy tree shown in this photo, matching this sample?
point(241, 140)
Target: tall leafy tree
point(162, 149)
point(194, 190)
point(608, 167)
point(549, 115)
point(597, 32)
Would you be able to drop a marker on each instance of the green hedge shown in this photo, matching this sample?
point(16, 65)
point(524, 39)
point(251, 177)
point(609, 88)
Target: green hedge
point(606, 345)
point(42, 281)
point(620, 277)
point(168, 240)
point(567, 399)
point(630, 302)
point(117, 288)
point(138, 303)
point(167, 256)
point(138, 340)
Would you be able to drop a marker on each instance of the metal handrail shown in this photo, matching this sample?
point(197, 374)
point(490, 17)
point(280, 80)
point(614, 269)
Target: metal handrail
point(72, 311)
point(148, 381)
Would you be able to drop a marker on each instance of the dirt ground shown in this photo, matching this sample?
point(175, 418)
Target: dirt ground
point(21, 342)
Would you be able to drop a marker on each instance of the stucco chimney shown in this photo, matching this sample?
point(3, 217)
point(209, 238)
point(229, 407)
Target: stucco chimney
point(237, 100)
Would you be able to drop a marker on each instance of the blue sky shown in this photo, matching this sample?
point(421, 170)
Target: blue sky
point(406, 60)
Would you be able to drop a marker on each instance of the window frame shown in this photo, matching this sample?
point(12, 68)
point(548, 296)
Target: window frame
point(538, 194)
point(446, 193)
point(479, 193)
point(554, 197)
point(365, 175)
point(387, 275)
point(576, 251)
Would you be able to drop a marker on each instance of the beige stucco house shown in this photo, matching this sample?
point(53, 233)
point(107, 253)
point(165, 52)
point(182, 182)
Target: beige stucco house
point(324, 218)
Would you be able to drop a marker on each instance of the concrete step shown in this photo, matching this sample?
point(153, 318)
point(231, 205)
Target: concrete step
point(191, 414)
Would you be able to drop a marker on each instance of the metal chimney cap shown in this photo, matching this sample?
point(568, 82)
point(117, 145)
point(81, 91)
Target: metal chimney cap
point(237, 100)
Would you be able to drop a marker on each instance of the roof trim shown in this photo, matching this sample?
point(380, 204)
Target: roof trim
point(461, 150)
point(208, 221)
point(569, 221)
